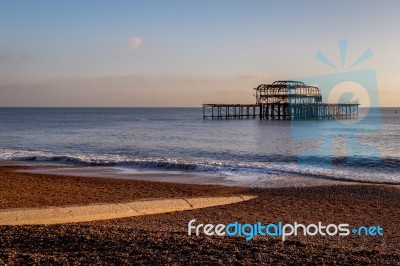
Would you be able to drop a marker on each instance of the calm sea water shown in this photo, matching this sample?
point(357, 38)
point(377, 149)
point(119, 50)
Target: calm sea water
point(179, 139)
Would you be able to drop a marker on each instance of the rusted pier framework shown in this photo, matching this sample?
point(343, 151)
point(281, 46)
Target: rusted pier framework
point(224, 111)
point(308, 111)
point(284, 100)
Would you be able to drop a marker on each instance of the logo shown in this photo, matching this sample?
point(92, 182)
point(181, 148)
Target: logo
point(249, 231)
point(344, 85)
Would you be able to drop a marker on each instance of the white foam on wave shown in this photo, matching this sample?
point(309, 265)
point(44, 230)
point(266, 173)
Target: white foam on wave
point(241, 172)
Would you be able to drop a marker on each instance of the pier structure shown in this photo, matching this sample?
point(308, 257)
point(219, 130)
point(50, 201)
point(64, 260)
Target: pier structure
point(284, 100)
point(224, 111)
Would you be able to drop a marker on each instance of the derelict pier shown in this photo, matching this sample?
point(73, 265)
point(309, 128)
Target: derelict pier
point(284, 100)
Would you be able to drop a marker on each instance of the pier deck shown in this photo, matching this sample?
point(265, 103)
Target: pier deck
point(280, 111)
point(225, 111)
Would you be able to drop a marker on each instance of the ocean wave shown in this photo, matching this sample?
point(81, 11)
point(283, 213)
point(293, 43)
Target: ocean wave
point(384, 170)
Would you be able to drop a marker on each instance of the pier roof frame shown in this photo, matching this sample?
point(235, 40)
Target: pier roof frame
point(289, 91)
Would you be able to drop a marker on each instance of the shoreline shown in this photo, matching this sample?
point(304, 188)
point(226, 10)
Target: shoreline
point(29, 190)
point(163, 239)
point(189, 177)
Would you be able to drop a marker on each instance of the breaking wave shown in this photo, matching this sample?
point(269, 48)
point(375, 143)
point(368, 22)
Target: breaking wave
point(385, 170)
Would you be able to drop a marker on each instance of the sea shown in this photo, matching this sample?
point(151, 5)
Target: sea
point(179, 140)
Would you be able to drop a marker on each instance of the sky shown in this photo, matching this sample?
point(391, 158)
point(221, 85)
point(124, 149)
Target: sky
point(185, 53)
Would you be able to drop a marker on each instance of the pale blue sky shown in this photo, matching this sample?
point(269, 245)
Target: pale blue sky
point(182, 53)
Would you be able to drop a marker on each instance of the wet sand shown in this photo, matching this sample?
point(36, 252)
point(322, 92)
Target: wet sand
point(19, 189)
point(163, 239)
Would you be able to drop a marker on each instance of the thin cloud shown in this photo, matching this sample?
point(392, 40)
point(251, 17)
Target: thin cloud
point(135, 42)
point(4, 56)
point(253, 76)
point(21, 57)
